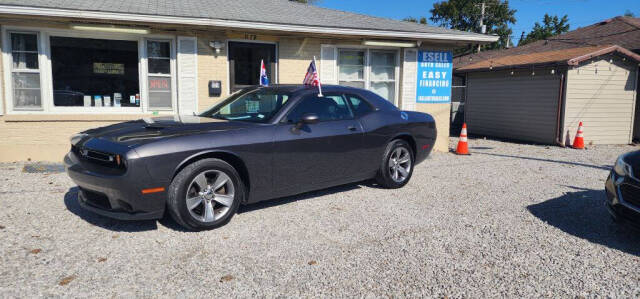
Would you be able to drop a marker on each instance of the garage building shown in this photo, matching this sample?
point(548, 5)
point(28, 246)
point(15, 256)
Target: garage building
point(541, 92)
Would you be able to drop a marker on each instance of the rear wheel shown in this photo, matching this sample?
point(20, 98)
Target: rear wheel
point(397, 165)
point(205, 194)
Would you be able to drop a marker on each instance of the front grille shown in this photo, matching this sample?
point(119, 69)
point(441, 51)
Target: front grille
point(96, 199)
point(97, 157)
point(630, 194)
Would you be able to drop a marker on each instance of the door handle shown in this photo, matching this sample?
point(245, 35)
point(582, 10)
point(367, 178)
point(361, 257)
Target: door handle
point(352, 128)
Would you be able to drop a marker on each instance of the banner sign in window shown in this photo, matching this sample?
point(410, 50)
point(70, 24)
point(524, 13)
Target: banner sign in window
point(108, 68)
point(434, 77)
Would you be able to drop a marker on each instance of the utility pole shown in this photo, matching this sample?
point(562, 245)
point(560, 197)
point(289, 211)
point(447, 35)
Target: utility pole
point(483, 29)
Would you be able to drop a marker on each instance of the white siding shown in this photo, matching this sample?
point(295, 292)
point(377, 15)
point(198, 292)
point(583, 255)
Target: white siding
point(600, 93)
point(187, 75)
point(521, 106)
point(409, 79)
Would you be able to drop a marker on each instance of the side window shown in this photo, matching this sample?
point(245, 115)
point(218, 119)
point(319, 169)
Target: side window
point(328, 107)
point(360, 106)
point(25, 71)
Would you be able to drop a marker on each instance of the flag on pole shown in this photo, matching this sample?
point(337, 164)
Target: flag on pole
point(312, 78)
point(264, 80)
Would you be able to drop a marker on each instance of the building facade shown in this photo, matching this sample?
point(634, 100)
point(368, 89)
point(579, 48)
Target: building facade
point(66, 69)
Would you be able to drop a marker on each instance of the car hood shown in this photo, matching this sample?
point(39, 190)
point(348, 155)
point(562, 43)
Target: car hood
point(142, 131)
point(633, 159)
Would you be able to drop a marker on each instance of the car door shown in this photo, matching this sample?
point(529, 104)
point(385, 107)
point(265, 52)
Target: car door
point(320, 154)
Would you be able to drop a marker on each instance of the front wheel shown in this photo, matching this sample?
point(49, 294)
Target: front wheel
point(205, 194)
point(397, 165)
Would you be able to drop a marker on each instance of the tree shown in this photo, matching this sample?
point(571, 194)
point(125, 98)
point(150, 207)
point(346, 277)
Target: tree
point(551, 26)
point(465, 15)
point(422, 20)
point(629, 13)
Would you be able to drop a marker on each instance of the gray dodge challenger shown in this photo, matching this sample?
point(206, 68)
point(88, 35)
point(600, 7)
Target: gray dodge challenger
point(260, 143)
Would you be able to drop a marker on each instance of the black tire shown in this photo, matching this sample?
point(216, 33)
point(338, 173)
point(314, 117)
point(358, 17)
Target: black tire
point(385, 174)
point(177, 195)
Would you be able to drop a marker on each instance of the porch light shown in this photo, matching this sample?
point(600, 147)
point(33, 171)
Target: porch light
point(216, 45)
point(110, 28)
point(379, 43)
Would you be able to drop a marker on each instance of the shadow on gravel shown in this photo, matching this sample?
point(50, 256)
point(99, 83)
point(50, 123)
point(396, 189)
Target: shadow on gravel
point(603, 167)
point(304, 196)
point(584, 215)
point(71, 202)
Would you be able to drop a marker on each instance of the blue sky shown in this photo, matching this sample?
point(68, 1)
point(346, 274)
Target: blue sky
point(581, 12)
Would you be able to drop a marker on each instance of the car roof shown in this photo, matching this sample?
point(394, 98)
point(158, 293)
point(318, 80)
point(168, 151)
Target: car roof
point(371, 97)
point(300, 87)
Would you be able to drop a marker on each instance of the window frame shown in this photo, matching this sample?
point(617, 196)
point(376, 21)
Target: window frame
point(9, 70)
point(364, 66)
point(367, 68)
point(172, 73)
point(46, 76)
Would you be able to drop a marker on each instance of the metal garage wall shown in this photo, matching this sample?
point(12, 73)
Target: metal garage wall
point(521, 106)
point(600, 93)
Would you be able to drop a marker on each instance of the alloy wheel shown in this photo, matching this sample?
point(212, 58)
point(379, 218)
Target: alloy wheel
point(210, 195)
point(400, 164)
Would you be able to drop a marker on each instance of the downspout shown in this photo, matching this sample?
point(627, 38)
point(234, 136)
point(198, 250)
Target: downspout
point(559, 124)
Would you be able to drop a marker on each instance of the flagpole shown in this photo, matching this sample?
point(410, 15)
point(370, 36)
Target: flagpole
point(319, 81)
point(260, 73)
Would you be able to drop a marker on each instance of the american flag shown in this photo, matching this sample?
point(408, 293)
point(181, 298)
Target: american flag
point(312, 78)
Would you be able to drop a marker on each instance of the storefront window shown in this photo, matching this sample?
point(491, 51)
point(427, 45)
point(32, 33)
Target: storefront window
point(94, 72)
point(25, 71)
point(383, 72)
point(351, 68)
point(159, 65)
point(371, 69)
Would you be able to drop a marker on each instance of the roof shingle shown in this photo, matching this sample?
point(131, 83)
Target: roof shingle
point(265, 11)
point(621, 31)
point(568, 56)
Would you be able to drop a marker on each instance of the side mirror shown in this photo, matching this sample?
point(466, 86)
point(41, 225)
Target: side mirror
point(307, 119)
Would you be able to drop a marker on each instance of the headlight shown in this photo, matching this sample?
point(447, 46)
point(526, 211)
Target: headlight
point(622, 168)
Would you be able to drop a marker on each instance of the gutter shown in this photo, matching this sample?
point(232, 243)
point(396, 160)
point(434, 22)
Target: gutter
point(111, 16)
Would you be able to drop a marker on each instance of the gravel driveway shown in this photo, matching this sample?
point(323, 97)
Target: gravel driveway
point(510, 220)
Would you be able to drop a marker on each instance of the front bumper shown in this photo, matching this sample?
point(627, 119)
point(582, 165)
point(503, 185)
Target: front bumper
point(623, 199)
point(115, 194)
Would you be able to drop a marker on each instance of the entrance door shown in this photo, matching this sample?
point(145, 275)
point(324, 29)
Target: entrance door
point(244, 63)
point(317, 155)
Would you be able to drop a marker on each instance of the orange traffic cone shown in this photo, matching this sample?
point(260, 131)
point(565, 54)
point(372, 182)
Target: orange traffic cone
point(463, 147)
point(578, 142)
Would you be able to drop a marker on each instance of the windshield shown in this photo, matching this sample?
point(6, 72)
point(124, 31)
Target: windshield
point(258, 105)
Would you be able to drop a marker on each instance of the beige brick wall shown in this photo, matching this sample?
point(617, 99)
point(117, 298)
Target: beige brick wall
point(294, 55)
point(211, 66)
point(39, 141)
